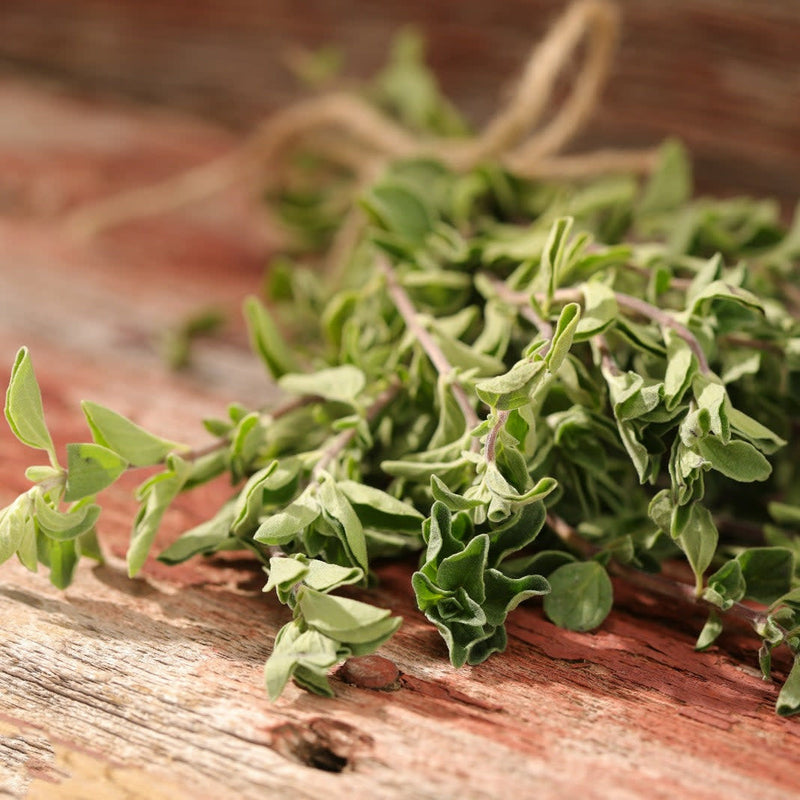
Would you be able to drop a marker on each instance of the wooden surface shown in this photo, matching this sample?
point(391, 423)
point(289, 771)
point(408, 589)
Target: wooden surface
point(152, 688)
point(722, 74)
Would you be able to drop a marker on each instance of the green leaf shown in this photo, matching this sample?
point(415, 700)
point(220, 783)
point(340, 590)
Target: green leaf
point(514, 388)
point(462, 356)
point(784, 513)
point(64, 526)
point(285, 573)
point(726, 586)
point(500, 487)
point(504, 594)
point(563, 335)
point(23, 408)
point(336, 506)
point(453, 501)
point(380, 509)
point(736, 364)
point(22, 531)
point(155, 496)
point(42, 473)
point(712, 399)
point(738, 460)
point(12, 528)
point(755, 433)
point(697, 537)
point(62, 558)
point(325, 577)
point(344, 619)
point(788, 702)
point(464, 569)
point(720, 290)
point(553, 254)
point(249, 504)
point(681, 366)
point(125, 438)
point(90, 469)
point(580, 596)
point(670, 185)
point(283, 526)
point(296, 649)
point(266, 340)
point(400, 210)
point(660, 510)
point(767, 571)
point(207, 537)
point(711, 631)
point(343, 384)
point(600, 310)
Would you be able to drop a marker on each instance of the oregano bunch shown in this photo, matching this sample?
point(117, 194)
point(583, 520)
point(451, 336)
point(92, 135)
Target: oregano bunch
point(532, 384)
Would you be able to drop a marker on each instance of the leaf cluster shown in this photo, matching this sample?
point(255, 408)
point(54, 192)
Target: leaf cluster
point(530, 384)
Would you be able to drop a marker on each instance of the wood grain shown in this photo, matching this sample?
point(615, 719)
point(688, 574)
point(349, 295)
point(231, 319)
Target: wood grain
point(152, 687)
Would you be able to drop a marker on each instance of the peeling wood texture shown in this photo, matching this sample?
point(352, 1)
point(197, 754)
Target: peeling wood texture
point(152, 688)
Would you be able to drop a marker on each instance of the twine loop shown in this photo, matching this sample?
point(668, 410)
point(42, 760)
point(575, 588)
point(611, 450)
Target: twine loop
point(349, 131)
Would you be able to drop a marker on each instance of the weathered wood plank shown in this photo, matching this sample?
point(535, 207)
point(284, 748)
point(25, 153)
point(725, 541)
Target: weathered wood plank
point(153, 687)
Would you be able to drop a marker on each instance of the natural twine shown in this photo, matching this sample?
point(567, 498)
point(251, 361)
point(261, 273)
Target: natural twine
point(354, 134)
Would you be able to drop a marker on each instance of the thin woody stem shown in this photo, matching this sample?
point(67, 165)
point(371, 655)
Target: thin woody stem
point(58, 481)
point(546, 331)
point(280, 411)
point(490, 446)
point(410, 316)
point(606, 359)
point(624, 301)
point(665, 318)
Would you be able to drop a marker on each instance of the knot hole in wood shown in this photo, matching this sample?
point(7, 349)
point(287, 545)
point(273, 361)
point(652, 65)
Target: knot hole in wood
point(321, 743)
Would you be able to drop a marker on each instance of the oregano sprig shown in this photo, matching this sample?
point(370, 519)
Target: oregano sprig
point(532, 384)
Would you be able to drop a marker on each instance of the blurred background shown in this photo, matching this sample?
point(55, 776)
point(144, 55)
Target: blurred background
point(723, 75)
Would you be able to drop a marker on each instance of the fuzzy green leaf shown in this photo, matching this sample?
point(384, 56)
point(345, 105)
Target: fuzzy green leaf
point(726, 586)
point(344, 619)
point(670, 185)
point(296, 649)
point(788, 702)
point(563, 335)
point(155, 496)
point(710, 633)
point(283, 526)
point(266, 340)
point(207, 537)
point(514, 388)
point(64, 526)
point(697, 536)
point(553, 254)
point(738, 460)
point(10, 535)
point(399, 210)
point(378, 508)
point(600, 310)
point(580, 596)
point(767, 572)
point(61, 556)
point(127, 439)
point(342, 384)
point(90, 469)
point(23, 407)
point(336, 507)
